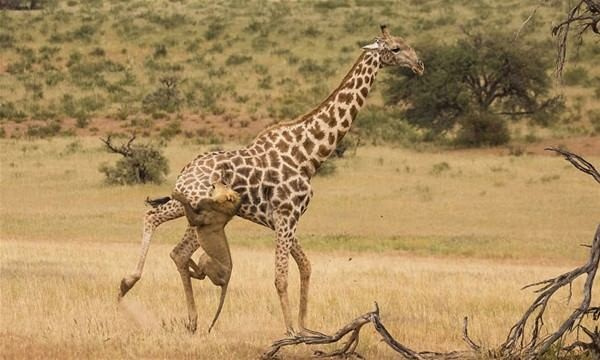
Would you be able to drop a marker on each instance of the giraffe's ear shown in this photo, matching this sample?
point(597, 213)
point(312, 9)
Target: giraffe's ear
point(374, 46)
point(385, 32)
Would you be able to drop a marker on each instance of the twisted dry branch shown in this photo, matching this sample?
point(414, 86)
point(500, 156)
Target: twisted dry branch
point(585, 14)
point(516, 344)
point(353, 328)
point(123, 149)
point(580, 163)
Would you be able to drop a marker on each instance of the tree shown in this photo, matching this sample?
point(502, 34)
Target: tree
point(474, 85)
point(140, 164)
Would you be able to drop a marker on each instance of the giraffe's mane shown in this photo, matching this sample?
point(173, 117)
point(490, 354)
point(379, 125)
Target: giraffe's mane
point(316, 109)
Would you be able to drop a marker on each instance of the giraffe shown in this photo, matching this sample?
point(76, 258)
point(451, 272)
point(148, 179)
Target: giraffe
point(273, 175)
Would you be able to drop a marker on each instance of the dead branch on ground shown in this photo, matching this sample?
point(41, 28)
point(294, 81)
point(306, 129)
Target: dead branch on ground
point(516, 344)
point(349, 348)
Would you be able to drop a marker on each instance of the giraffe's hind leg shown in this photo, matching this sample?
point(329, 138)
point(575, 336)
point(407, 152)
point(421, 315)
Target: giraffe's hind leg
point(305, 270)
point(181, 255)
point(152, 219)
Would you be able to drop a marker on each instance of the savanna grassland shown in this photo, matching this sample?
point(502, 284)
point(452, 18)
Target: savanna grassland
point(430, 236)
point(234, 66)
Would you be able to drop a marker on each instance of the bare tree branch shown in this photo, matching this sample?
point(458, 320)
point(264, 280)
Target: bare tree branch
point(586, 15)
point(580, 163)
point(353, 328)
point(526, 21)
point(124, 149)
point(517, 345)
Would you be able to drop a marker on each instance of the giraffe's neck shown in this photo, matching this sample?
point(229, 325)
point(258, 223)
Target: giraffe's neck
point(310, 139)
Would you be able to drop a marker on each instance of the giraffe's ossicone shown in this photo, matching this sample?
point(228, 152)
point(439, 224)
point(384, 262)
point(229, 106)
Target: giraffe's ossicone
point(273, 174)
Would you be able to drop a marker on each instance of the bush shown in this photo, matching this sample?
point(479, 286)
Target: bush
point(160, 50)
point(140, 164)
point(386, 125)
point(7, 41)
point(327, 168)
point(9, 111)
point(482, 129)
point(43, 131)
point(576, 76)
point(214, 30)
point(165, 98)
point(235, 59)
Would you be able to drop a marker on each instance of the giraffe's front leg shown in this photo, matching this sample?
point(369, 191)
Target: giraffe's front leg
point(305, 270)
point(181, 255)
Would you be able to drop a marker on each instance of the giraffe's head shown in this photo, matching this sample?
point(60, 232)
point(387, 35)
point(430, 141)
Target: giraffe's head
point(394, 51)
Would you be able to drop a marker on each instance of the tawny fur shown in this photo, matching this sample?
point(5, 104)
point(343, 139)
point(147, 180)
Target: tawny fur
point(209, 219)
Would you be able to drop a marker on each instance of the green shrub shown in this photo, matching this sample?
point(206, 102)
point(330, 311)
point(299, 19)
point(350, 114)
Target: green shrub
point(576, 75)
point(215, 29)
point(309, 67)
point(82, 121)
point(170, 130)
point(381, 124)
point(9, 111)
point(85, 32)
point(331, 4)
point(328, 168)
point(265, 82)
point(594, 116)
point(53, 77)
point(235, 59)
point(482, 129)
point(166, 98)
point(160, 50)
point(98, 51)
point(439, 168)
point(140, 164)
point(7, 41)
point(43, 131)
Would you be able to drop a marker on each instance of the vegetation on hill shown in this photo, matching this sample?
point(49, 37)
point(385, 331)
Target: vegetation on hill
point(209, 69)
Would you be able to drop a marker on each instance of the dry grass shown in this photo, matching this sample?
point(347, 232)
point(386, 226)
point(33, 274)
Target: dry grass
point(430, 245)
point(59, 300)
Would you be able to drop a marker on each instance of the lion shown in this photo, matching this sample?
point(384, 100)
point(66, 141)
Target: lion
point(209, 219)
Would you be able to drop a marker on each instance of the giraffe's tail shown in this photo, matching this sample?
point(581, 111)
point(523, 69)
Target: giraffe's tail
point(158, 201)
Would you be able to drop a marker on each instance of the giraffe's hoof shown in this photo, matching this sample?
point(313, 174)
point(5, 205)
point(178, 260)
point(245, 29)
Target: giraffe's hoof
point(191, 326)
point(124, 288)
point(311, 333)
point(291, 333)
point(126, 284)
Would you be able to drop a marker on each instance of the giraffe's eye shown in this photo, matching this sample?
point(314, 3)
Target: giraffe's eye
point(395, 50)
